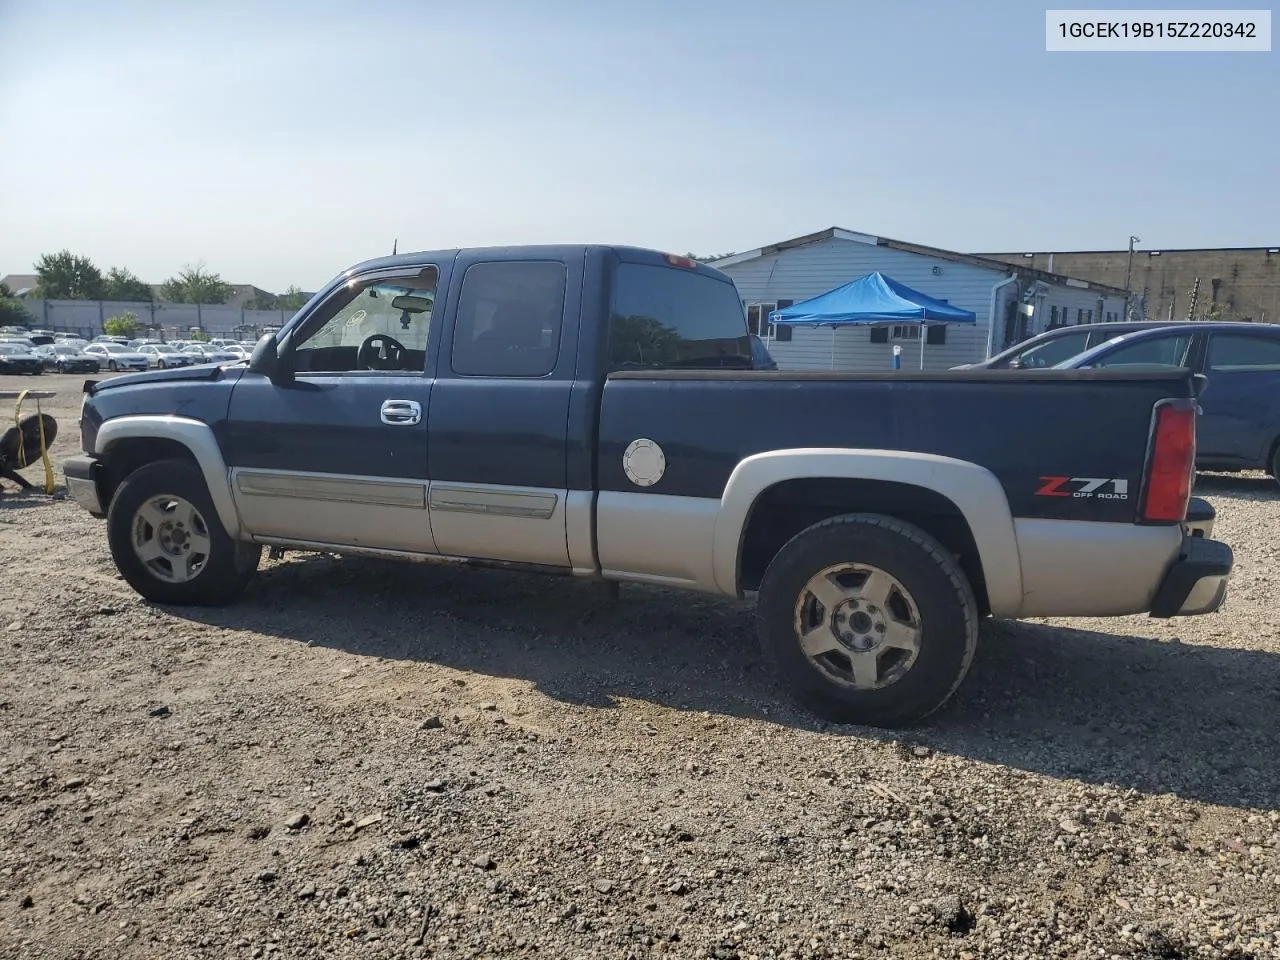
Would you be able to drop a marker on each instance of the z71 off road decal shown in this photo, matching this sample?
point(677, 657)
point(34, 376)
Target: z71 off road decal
point(1100, 488)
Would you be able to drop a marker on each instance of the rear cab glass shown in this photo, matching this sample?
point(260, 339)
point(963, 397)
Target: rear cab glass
point(673, 317)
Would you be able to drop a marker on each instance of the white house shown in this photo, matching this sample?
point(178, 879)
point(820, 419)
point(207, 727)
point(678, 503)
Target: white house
point(784, 273)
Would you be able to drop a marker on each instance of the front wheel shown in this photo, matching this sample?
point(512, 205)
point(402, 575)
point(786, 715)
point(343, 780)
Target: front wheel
point(62, 368)
point(111, 365)
point(167, 540)
point(1275, 463)
point(868, 619)
point(161, 365)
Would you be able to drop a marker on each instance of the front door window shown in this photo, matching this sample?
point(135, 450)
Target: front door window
point(370, 326)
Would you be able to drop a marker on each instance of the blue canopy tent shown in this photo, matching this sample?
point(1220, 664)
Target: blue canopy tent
point(873, 299)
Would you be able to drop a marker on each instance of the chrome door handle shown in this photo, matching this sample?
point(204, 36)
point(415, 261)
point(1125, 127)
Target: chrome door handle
point(401, 412)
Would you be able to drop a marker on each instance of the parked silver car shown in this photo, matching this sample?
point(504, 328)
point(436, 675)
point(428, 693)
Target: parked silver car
point(204, 353)
point(116, 356)
point(163, 355)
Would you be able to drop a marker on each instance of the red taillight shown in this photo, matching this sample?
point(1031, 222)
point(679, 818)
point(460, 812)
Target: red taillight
point(1172, 466)
point(677, 261)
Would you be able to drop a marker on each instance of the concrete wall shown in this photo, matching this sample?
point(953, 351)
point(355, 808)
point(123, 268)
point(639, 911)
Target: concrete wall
point(87, 316)
point(1244, 281)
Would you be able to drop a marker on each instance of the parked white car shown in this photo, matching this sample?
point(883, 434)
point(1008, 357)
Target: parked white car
point(164, 355)
point(116, 356)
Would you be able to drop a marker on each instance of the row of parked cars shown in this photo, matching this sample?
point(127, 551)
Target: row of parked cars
point(1238, 426)
point(38, 351)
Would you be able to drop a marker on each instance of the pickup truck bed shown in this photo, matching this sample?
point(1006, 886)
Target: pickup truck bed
point(592, 411)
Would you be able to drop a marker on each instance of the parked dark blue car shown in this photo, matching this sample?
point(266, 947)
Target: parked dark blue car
point(1239, 423)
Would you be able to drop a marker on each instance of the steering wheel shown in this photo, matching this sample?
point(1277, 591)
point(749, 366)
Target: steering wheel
point(380, 352)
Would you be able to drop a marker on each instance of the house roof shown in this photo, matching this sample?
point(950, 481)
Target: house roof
point(839, 233)
point(18, 282)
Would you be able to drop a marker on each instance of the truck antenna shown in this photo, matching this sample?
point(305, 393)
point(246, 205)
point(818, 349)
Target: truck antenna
point(393, 245)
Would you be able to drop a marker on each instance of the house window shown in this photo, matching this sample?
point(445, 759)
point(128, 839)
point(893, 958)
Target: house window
point(758, 318)
point(1079, 315)
point(781, 332)
point(1053, 316)
point(905, 331)
point(1088, 316)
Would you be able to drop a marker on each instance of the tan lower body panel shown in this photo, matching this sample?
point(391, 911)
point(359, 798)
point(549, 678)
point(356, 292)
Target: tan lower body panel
point(381, 512)
point(1075, 568)
point(654, 538)
point(498, 522)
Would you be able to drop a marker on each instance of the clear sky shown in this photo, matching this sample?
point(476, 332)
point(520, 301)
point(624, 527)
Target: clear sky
point(278, 142)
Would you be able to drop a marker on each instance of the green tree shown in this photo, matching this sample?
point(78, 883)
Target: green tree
point(121, 284)
point(194, 284)
point(67, 276)
point(292, 299)
point(122, 325)
point(200, 334)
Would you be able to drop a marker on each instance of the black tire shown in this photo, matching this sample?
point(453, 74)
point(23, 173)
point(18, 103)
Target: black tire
point(946, 609)
point(111, 365)
point(161, 365)
point(230, 564)
point(1275, 463)
point(62, 368)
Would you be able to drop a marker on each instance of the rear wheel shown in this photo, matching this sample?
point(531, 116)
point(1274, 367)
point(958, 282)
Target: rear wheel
point(168, 542)
point(868, 619)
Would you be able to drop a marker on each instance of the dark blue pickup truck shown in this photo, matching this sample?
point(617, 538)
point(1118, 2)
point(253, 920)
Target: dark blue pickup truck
point(593, 411)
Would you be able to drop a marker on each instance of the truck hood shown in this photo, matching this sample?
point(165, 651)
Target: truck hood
point(204, 371)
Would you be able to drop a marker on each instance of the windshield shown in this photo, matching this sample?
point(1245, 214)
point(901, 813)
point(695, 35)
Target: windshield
point(12, 349)
point(1051, 351)
point(163, 348)
point(115, 348)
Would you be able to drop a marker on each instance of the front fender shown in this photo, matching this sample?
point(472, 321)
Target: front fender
point(196, 436)
point(974, 490)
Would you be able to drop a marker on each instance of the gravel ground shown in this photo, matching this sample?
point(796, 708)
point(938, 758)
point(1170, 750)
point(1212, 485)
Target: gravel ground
point(374, 760)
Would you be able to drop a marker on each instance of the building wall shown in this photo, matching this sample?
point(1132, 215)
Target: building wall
point(798, 273)
point(1247, 279)
point(802, 272)
point(86, 316)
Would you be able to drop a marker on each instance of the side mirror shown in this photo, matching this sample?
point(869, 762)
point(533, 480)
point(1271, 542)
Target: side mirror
point(265, 359)
point(1015, 364)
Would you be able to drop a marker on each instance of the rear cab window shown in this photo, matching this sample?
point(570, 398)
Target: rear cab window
point(675, 317)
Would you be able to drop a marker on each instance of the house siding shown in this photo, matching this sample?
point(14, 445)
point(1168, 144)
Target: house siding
point(798, 273)
point(803, 272)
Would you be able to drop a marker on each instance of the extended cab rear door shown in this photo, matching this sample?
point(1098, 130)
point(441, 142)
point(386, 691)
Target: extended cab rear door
point(499, 424)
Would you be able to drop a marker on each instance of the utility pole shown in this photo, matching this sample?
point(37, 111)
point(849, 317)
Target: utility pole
point(1128, 275)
